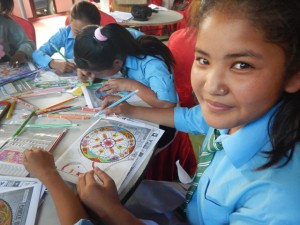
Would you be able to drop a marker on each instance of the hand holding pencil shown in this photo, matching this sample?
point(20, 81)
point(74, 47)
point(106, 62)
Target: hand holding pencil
point(61, 66)
point(113, 101)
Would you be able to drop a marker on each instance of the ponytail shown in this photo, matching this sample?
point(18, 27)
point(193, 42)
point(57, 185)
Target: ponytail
point(154, 47)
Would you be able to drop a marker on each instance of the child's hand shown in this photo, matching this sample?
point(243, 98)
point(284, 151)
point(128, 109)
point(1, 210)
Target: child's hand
point(85, 76)
point(101, 197)
point(39, 163)
point(61, 66)
point(17, 59)
point(118, 84)
point(122, 109)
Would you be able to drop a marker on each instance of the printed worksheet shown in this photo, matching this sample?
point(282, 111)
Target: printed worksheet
point(11, 149)
point(112, 144)
point(18, 205)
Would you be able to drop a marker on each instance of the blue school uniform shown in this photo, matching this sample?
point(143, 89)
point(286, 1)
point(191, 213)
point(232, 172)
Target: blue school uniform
point(230, 191)
point(153, 73)
point(62, 39)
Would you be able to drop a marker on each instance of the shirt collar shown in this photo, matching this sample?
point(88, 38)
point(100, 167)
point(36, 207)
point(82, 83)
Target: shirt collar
point(131, 62)
point(70, 34)
point(241, 146)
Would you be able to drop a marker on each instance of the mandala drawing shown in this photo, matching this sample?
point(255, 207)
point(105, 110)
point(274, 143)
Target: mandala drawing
point(5, 213)
point(107, 144)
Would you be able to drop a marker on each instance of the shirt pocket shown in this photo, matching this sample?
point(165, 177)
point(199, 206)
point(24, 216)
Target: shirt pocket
point(214, 211)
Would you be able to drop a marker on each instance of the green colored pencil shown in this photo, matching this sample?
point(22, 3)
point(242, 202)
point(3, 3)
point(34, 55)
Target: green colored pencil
point(57, 50)
point(51, 125)
point(24, 124)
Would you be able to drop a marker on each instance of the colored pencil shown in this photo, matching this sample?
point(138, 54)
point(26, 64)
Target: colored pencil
point(66, 116)
point(57, 50)
point(59, 103)
point(11, 109)
point(19, 130)
point(25, 103)
point(52, 147)
point(86, 109)
point(66, 110)
point(36, 94)
point(51, 125)
point(117, 102)
point(53, 109)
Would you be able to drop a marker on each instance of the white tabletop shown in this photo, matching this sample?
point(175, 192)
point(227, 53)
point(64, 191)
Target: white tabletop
point(46, 212)
point(159, 18)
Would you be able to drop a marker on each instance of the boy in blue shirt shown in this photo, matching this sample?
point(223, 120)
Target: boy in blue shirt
point(83, 13)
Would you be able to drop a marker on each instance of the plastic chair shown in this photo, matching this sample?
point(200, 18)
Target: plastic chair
point(184, 57)
point(105, 19)
point(27, 27)
point(163, 165)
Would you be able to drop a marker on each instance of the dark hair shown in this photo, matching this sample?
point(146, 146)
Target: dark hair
point(280, 22)
point(92, 54)
point(86, 11)
point(6, 6)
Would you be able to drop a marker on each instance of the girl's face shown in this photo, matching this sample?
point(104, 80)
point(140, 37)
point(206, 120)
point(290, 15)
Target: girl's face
point(77, 25)
point(237, 76)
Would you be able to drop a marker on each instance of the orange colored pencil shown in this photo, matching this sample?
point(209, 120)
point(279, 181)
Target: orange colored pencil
point(59, 103)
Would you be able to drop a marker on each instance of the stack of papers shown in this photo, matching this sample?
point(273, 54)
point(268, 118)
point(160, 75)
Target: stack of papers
point(9, 74)
point(19, 200)
point(121, 16)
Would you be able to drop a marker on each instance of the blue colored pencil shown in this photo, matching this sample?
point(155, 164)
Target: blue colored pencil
point(117, 102)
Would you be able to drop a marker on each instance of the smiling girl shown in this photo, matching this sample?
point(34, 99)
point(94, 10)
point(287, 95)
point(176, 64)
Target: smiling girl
point(246, 76)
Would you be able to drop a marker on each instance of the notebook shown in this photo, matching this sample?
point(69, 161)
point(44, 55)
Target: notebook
point(11, 149)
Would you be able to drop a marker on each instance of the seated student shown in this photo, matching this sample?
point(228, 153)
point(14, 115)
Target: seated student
point(248, 94)
point(146, 63)
point(17, 48)
point(83, 13)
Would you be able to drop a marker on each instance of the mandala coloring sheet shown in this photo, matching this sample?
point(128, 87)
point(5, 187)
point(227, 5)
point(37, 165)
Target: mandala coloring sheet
point(111, 144)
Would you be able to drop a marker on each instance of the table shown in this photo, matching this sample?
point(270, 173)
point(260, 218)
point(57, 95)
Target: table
point(46, 212)
point(161, 18)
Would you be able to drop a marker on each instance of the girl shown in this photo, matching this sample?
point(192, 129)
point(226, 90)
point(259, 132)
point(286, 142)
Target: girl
point(17, 47)
point(83, 13)
point(246, 76)
point(146, 63)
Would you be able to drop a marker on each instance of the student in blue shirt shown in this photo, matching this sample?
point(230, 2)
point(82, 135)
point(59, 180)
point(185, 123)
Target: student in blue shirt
point(146, 63)
point(83, 13)
point(250, 92)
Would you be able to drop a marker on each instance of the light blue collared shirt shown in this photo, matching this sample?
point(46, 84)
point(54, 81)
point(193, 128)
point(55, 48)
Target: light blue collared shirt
point(153, 73)
point(62, 39)
point(230, 191)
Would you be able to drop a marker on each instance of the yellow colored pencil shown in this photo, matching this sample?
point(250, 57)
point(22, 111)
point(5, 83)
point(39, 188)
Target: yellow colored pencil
point(11, 109)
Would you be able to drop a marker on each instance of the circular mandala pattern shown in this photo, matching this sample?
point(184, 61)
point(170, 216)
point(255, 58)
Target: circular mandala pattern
point(107, 144)
point(5, 213)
